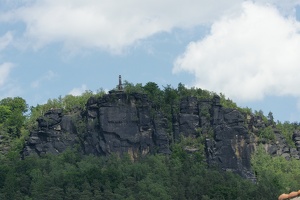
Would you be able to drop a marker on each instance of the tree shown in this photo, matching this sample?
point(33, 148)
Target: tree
point(15, 104)
point(154, 93)
point(287, 129)
point(275, 175)
point(131, 88)
point(182, 90)
point(227, 103)
point(5, 113)
point(270, 118)
point(86, 191)
point(72, 192)
point(12, 112)
point(171, 95)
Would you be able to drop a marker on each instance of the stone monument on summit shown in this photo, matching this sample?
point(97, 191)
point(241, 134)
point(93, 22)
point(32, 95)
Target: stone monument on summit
point(119, 87)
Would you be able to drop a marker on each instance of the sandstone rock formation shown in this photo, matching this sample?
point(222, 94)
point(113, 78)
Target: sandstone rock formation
point(228, 144)
point(127, 123)
point(116, 123)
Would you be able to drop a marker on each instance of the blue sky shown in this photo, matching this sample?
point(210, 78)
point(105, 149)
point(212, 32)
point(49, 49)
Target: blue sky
point(248, 50)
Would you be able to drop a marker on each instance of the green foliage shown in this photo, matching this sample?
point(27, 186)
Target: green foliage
point(245, 110)
point(182, 90)
point(35, 113)
point(68, 103)
point(201, 94)
point(227, 103)
point(12, 115)
point(205, 111)
point(270, 118)
point(131, 88)
point(72, 176)
point(287, 129)
point(266, 133)
point(261, 114)
point(16, 104)
point(275, 174)
point(154, 94)
point(12, 131)
point(186, 144)
point(5, 113)
point(171, 104)
point(170, 95)
point(182, 175)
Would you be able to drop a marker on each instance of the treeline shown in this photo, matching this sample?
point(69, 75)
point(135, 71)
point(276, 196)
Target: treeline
point(181, 175)
point(71, 176)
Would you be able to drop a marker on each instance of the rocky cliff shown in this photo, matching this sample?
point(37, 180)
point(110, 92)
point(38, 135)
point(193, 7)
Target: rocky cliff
point(228, 143)
point(127, 123)
point(116, 123)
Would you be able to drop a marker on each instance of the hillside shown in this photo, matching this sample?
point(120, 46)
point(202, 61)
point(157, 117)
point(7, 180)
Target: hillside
point(136, 126)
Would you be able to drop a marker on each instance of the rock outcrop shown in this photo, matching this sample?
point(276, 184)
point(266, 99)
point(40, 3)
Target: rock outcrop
point(228, 143)
point(116, 123)
point(55, 134)
point(123, 123)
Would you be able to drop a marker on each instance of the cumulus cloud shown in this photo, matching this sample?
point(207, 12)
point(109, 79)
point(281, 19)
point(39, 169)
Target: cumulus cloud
point(78, 91)
point(110, 25)
point(47, 77)
point(247, 56)
point(285, 7)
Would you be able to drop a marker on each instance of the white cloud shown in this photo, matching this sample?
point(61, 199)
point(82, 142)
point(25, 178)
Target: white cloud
point(78, 91)
point(110, 25)
point(47, 77)
point(5, 69)
point(248, 56)
point(285, 7)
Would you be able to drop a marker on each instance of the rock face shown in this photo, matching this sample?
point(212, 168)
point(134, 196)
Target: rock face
point(56, 133)
point(116, 123)
point(119, 123)
point(128, 124)
point(228, 143)
point(278, 146)
point(232, 145)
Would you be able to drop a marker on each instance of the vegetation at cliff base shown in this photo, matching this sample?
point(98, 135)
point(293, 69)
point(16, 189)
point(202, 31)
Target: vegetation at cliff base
point(73, 176)
point(179, 176)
